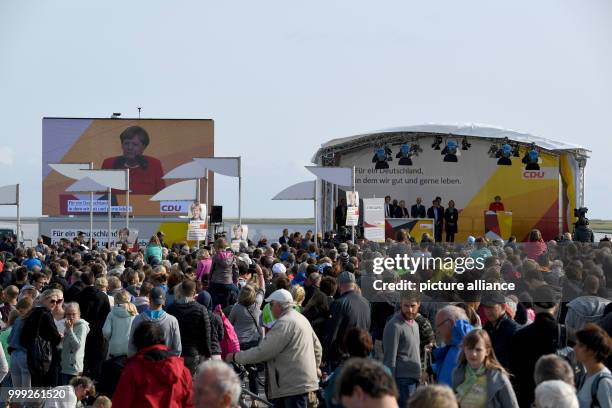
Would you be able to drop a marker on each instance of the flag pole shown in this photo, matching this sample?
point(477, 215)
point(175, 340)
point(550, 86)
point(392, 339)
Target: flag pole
point(108, 205)
point(352, 226)
point(18, 218)
point(91, 193)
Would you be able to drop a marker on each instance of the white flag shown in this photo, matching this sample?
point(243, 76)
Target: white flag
point(190, 170)
point(342, 176)
point(183, 190)
point(8, 195)
point(298, 191)
point(228, 166)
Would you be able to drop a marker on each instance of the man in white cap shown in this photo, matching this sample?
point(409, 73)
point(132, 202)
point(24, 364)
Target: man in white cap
point(278, 268)
point(291, 351)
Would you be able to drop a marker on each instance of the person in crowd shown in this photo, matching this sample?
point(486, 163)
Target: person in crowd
point(439, 396)
point(216, 385)
point(291, 351)
point(72, 393)
point(284, 239)
point(497, 204)
point(318, 308)
point(479, 379)
point(401, 344)
point(73, 346)
point(37, 325)
point(102, 402)
point(593, 346)
point(499, 326)
point(587, 308)
point(533, 341)
point(358, 344)
point(245, 317)
point(156, 314)
point(154, 376)
point(340, 214)
point(555, 394)
point(31, 261)
point(365, 383)
point(535, 245)
point(451, 218)
point(452, 326)
point(204, 266)
point(95, 307)
point(418, 210)
point(349, 310)
point(401, 211)
point(481, 250)
point(153, 251)
point(436, 212)
point(9, 301)
point(146, 173)
point(552, 367)
point(194, 325)
point(117, 327)
point(222, 287)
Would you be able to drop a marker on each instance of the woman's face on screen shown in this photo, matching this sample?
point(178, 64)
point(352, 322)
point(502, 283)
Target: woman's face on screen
point(132, 147)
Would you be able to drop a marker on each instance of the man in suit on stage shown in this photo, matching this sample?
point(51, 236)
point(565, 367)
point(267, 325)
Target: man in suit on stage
point(389, 207)
point(418, 210)
point(437, 213)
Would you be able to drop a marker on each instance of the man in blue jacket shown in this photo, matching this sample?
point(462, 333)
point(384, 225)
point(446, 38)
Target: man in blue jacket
point(452, 325)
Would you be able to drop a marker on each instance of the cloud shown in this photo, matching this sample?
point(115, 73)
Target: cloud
point(7, 155)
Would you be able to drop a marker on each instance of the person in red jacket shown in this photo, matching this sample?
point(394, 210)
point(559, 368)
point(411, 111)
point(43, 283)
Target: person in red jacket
point(496, 205)
point(153, 377)
point(145, 172)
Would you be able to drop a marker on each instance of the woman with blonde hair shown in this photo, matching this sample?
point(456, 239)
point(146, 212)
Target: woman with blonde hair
point(480, 380)
point(116, 329)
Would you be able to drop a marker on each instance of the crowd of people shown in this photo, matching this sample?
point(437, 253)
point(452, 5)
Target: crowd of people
point(179, 326)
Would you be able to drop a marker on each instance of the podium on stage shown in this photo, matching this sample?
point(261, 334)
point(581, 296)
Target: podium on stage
point(498, 224)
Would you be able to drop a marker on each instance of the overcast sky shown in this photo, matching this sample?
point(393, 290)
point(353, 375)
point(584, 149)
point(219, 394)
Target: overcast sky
point(281, 77)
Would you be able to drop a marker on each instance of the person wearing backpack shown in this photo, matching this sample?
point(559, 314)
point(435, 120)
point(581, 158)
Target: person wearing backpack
point(593, 346)
point(39, 336)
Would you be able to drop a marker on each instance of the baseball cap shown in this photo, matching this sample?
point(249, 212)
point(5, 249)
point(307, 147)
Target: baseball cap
point(278, 268)
point(346, 277)
point(157, 296)
point(280, 296)
point(120, 258)
point(492, 299)
point(471, 239)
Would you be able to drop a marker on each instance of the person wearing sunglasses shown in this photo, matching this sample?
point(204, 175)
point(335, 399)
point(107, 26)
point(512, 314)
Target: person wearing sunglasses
point(39, 328)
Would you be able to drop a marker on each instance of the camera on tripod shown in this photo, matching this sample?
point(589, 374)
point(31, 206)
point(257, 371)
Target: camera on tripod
point(581, 214)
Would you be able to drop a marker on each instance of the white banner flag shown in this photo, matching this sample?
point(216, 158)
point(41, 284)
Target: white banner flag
point(342, 176)
point(374, 219)
point(228, 166)
point(299, 191)
point(183, 190)
point(8, 195)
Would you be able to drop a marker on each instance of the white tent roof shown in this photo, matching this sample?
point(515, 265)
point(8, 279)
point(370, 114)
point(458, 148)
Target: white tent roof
point(469, 129)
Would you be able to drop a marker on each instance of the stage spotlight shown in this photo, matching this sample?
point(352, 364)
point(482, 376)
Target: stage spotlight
point(532, 158)
point(503, 154)
point(450, 151)
point(404, 155)
point(382, 155)
point(437, 142)
point(465, 145)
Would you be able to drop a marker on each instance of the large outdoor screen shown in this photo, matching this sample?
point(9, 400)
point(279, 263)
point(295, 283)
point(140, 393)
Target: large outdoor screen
point(150, 148)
